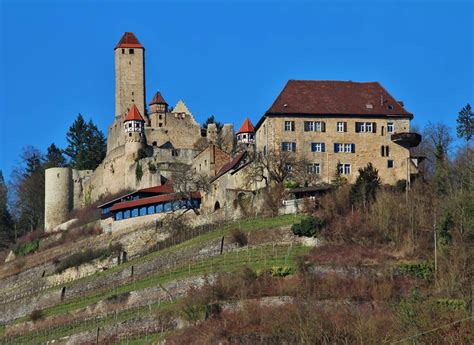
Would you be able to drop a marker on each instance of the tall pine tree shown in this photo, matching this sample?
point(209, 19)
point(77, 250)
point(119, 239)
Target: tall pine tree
point(465, 120)
point(54, 158)
point(86, 145)
point(6, 220)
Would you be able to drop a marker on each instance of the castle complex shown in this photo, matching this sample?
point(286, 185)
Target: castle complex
point(331, 125)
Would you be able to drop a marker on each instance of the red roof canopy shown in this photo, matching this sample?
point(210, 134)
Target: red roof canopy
point(246, 127)
point(128, 40)
point(158, 99)
point(151, 200)
point(328, 97)
point(134, 115)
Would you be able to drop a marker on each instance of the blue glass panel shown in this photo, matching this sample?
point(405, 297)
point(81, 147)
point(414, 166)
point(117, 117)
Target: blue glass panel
point(143, 211)
point(135, 212)
point(119, 215)
point(126, 214)
point(167, 206)
point(151, 209)
point(159, 208)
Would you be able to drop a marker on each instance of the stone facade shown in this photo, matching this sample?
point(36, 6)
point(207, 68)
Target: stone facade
point(368, 146)
point(209, 161)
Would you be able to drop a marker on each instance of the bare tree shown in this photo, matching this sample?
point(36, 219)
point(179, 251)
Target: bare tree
point(187, 183)
point(275, 167)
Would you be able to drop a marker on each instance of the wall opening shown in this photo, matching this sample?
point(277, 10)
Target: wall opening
point(131, 272)
point(124, 256)
point(63, 292)
point(217, 206)
point(43, 274)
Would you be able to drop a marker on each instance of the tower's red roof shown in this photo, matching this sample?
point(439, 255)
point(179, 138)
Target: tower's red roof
point(134, 115)
point(158, 99)
point(128, 40)
point(247, 127)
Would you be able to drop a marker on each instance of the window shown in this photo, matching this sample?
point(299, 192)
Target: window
point(314, 168)
point(365, 127)
point(151, 209)
point(318, 127)
point(135, 212)
point(123, 51)
point(344, 169)
point(318, 147)
point(119, 215)
point(131, 51)
point(175, 153)
point(288, 146)
point(265, 150)
point(347, 148)
point(390, 127)
point(382, 151)
point(143, 211)
point(160, 125)
point(126, 214)
point(290, 126)
point(288, 167)
point(390, 164)
point(160, 117)
point(341, 127)
point(309, 126)
point(159, 208)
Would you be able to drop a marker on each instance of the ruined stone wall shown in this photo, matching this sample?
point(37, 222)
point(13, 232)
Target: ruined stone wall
point(367, 145)
point(178, 128)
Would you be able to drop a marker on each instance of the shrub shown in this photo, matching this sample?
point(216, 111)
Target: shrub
point(152, 167)
point(281, 271)
point(88, 255)
point(239, 237)
point(138, 172)
point(309, 227)
point(424, 270)
point(291, 184)
point(36, 315)
point(364, 189)
point(26, 248)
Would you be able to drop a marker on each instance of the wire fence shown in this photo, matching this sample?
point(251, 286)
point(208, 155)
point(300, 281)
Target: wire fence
point(256, 257)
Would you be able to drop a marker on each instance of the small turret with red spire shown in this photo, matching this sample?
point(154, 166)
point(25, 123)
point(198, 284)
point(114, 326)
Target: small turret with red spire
point(246, 133)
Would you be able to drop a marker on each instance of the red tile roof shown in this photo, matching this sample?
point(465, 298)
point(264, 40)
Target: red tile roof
point(158, 99)
point(246, 127)
point(133, 115)
point(128, 40)
point(227, 167)
point(336, 98)
point(150, 200)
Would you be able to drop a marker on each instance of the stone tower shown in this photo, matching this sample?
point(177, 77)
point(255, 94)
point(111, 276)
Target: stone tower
point(134, 130)
point(129, 75)
point(246, 134)
point(158, 109)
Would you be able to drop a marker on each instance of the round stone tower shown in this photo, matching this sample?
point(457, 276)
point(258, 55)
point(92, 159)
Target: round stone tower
point(58, 196)
point(134, 128)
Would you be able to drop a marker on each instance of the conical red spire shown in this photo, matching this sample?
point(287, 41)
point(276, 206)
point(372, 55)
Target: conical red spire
point(247, 127)
point(158, 99)
point(134, 115)
point(128, 40)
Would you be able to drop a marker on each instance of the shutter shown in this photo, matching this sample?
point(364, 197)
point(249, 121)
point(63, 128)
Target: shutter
point(293, 147)
point(293, 126)
point(306, 126)
point(357, 127)
point(374, 127)
point(283, 146)
point(353, 148)
point(323, 147)
point(323, 126)
point(335, 148)
point(345, 126)
point(313, 147)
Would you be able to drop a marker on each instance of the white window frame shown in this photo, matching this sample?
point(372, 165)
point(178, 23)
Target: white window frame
point(390, 127)
point(369, 128)
point(340, 127)
point(347, 169)
point(362, 127)
point(317, 126)
point(289, 126)
point(310, 126)
point(318, 147)
point(348, 148)
point(344, 168)
point(314, 168)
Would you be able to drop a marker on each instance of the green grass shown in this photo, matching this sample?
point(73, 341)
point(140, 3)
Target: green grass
point(257, 258)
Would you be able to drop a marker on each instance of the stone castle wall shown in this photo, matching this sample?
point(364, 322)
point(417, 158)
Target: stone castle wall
point(367, 145)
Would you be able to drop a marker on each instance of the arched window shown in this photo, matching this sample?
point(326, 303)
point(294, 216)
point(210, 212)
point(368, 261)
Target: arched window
point(217, 206)
point(382, 151)
point(387, 151)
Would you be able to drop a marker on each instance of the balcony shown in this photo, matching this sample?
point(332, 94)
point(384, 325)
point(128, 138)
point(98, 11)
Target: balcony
point(406, 139)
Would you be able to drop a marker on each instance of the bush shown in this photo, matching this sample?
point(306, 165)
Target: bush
point(138, 172)
point(26, 248)
point(88, 255)
point(281, 271)
point(36, 315)
point(308, 227)
point(239, 237)
point(424, 270)
point(152, 167)
point(291, 184)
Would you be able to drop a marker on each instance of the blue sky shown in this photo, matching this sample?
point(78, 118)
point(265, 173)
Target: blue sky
point(230, 59)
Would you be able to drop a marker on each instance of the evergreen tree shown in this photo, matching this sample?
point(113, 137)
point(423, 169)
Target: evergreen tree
point(54, 157)
point(211, 119)
point(338, 180)
point(465, 120)
point(6, 220)
point(365, 188)
point(86, 145)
